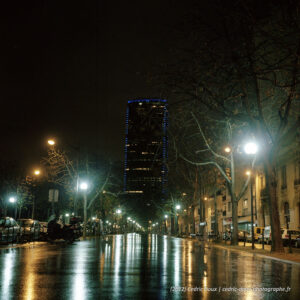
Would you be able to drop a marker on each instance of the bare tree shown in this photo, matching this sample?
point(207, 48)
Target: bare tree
point(244, 68)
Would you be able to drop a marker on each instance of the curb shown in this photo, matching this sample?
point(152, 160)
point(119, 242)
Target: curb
point(257, 254)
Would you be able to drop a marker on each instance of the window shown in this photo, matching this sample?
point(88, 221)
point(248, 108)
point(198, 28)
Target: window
point(283, 177)
point(245, 203)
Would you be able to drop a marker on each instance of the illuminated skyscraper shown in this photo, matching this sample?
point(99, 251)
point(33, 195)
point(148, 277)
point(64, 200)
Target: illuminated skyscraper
point(146, 154)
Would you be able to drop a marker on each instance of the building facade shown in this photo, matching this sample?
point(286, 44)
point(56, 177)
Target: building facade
point(146, 144)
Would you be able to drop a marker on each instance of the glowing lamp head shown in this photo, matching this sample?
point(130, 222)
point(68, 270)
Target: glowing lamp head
point(227, 149)
point(178, 206)
point(250, 148)
point(37, 172)
point(51, 142)
point(83, 186)
point(118, 211)
point(205, 198)
point(12, 199)
point(166, 216)
point(67, 215)
point(248, 173)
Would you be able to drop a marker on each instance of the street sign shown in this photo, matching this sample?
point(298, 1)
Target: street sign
point(53, 195)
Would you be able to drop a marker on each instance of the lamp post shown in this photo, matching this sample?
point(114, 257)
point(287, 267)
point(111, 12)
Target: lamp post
point(166, 228)
point(177, 207)
point(118, 212)
point(84, 186)
point(14, 200)
point(251, 149)
point(36, 173)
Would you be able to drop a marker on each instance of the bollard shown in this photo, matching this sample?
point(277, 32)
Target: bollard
point(244, 238)
point(263, 241)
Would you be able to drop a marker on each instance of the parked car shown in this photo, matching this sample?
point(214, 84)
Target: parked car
point(9, 230)
point(30, 230)
point(285, 236)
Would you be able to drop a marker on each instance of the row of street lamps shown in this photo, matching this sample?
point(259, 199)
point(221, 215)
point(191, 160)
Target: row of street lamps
point(250, 149)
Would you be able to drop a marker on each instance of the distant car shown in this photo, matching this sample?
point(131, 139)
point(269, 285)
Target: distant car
point(30, 230)
point(9, 230)
point(285, 236)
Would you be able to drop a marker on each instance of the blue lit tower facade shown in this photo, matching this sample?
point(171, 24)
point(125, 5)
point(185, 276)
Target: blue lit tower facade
point(146, 154)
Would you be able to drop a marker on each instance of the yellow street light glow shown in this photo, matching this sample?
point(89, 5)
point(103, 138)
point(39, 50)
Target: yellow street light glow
point(51, 142)
point(37, 172)
point(205, 198)
point(248, 173)
point(227, 149)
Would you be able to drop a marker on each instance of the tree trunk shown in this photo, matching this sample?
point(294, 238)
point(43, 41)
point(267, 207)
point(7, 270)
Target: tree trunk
point(271, 180)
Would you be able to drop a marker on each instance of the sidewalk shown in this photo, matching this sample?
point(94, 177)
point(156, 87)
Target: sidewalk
point(293, 257)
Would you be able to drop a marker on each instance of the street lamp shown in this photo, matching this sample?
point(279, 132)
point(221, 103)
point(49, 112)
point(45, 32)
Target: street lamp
point(14, 200)
point(36, 173)
point(51, 142)
point(178, 206)
point(118, 211)
point(251, 149)
point(84, 186)
point(227, 149)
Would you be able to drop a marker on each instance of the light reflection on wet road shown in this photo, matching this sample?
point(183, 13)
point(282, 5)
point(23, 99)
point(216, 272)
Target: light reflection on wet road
point(140, 267)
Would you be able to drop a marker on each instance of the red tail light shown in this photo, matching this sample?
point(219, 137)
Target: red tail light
point(286, 235)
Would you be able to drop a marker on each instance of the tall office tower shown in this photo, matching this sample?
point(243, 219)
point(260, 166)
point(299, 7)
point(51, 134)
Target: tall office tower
point(146, 142)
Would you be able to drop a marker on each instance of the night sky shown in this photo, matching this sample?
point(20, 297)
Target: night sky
point(69, 67)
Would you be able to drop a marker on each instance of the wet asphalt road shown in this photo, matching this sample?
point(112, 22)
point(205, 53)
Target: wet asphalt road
point(141, 267)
